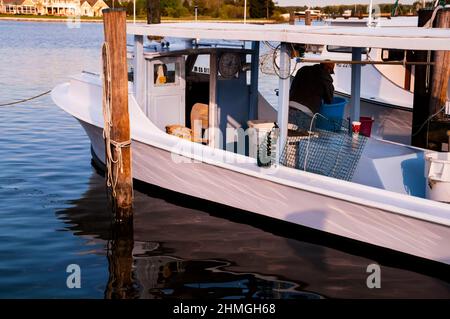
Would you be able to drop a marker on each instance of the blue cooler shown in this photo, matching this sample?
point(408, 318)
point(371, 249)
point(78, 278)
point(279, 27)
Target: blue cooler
point(334, 112)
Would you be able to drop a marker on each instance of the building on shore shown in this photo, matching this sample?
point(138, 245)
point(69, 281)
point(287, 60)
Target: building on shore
point(59, 7)
point(92, 8)
point(18, 7)
point(89, 8)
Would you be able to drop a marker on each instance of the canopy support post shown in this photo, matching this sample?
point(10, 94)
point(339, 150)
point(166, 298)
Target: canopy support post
point(138, 70)
point(283, 97)
point(212, 110)
point(253, 112)
point(355, 95)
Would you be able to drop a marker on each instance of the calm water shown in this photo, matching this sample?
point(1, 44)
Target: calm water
point(53, 210)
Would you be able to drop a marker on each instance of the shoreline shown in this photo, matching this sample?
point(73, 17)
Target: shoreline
point(163, 20)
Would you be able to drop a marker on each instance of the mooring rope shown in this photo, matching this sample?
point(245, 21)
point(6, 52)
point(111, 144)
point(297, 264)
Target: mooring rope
point(429, 23)
point(111, 179)
point(25, 100)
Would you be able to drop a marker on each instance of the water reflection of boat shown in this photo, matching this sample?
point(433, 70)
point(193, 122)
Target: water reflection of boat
point(177, 251)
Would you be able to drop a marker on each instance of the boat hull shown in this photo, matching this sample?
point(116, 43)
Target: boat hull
point(375, 226)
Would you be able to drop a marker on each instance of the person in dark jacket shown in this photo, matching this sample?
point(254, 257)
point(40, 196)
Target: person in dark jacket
point(312, 84)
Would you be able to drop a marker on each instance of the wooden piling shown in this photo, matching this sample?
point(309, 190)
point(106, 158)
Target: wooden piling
point(120, 176)
point(430, 89)
point(421, 93)
point(153, 12)
point(308, 19)
point(154, 16)
point(292, 18)
point(441, 70)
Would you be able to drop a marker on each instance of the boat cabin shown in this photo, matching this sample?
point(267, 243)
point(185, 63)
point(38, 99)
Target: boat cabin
point(186, 80)
point(207, 93)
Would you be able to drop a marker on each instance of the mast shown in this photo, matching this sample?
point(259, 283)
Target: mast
point(283, 97)
point(394, 9)
point(369, 23)
point(245, 11)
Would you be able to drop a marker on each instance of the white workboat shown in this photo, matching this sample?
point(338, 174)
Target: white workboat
point(378, 198)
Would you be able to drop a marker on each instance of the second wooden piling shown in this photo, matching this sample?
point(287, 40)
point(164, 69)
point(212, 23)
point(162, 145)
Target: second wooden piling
point(430, 125)
point(292, 18)
point(421, 94)
point(308, 18)
point(153, 12)
point(441, 70)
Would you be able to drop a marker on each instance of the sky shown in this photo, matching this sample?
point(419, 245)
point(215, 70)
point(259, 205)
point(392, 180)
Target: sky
point(333, 2)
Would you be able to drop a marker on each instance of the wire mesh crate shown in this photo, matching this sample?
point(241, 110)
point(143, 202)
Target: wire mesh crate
point(323, 146)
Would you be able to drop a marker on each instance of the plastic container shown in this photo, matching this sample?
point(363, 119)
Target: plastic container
point(437, 173)
point(333, 113)
point(258, 131)
point(335, 109)
point(366, 125)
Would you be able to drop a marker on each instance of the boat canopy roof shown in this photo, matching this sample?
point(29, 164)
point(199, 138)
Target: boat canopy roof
point(413, 38)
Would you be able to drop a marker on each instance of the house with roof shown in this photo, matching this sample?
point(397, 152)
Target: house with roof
point(59, 7)
point(89, 8)
point(92, 8)
point(18, 7)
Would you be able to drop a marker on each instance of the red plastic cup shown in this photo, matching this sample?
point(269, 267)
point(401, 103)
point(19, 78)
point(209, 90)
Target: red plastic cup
point(366, 125)
point(356, 127)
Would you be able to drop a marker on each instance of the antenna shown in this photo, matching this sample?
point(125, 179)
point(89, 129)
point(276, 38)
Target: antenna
point(394, 9)
point(245, 11)
point(369, 22)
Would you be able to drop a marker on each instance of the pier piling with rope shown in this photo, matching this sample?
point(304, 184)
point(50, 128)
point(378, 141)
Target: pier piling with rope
point(116, 129)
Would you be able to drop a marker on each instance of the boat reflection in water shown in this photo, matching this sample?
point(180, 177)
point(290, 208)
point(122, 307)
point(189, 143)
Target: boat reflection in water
point(200, 250)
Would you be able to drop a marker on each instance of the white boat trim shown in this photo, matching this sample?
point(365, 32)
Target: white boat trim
point(389, 38)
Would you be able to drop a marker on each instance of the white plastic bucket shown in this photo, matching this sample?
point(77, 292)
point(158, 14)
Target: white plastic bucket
point(437, 173)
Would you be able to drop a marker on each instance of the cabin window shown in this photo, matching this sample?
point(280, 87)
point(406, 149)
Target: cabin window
point(165, 73)
point(340, 49)
point(201, 64)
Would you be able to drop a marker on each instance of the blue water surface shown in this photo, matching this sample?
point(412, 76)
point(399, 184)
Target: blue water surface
point(53, 209)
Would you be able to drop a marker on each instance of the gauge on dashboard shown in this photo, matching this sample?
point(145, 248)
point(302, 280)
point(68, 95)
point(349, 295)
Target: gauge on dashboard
point(229, 64)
